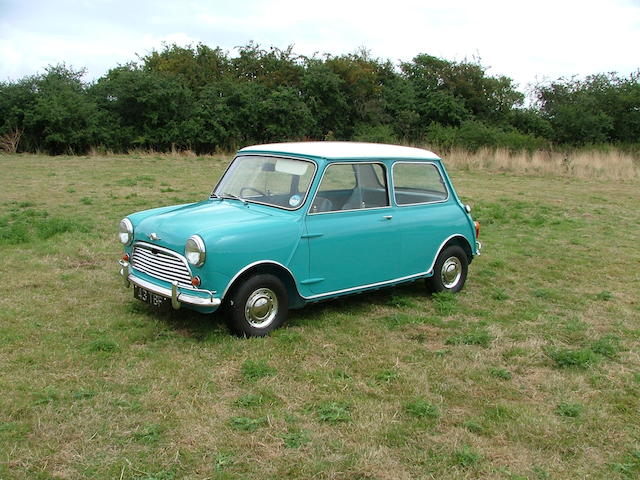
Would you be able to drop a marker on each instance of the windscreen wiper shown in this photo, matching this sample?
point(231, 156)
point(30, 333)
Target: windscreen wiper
point(235, 197)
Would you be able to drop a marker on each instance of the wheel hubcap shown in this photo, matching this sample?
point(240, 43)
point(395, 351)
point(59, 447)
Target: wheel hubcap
point(261, 308)
point(451, 272)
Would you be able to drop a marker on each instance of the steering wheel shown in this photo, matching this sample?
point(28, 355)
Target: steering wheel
point(259, 192)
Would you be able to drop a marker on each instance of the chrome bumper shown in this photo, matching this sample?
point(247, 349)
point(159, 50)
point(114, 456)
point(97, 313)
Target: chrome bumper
point(478, 247)
point(177, 297)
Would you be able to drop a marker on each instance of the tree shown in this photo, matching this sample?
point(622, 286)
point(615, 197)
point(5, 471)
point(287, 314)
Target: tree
point(600, 108)
point(59, 118)
point(196, 66)
point(451, 92)
point(144, 109)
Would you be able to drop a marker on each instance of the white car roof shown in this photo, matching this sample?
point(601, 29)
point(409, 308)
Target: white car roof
point(342, 150)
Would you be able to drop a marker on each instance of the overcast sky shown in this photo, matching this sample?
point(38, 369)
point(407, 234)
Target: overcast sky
point(527, 41)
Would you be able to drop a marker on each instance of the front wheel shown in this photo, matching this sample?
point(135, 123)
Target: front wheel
point(257, 306)
point(449, 271)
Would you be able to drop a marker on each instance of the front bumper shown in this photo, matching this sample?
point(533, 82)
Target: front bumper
point(175, 293)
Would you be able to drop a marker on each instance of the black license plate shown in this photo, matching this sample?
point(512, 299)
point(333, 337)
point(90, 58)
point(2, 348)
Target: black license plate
point(149, 297)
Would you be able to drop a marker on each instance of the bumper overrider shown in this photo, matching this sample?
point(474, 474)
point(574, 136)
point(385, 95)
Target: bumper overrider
point(178, 295)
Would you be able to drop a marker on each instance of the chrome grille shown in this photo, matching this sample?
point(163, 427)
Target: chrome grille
point(161, 263)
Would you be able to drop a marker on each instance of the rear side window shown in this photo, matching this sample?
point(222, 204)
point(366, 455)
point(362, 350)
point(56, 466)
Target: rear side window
point(418, 183)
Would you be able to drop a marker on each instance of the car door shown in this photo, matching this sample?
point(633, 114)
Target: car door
point(424, 216)
point(352, 242)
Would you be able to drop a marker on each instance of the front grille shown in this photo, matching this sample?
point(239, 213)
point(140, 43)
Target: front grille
point(161, 263)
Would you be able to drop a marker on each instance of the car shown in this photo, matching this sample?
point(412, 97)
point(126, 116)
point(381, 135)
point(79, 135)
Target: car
point(290, 224)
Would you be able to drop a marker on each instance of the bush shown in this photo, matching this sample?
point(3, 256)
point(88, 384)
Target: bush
point(474, 135)
point(374, 133)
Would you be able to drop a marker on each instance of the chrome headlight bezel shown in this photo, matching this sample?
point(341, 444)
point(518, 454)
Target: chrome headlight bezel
point(195, 251)
point(125, 231)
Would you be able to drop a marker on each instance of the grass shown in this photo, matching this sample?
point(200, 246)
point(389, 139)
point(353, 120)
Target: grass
point(420, 408)
point(532, 371)
point(611, 165)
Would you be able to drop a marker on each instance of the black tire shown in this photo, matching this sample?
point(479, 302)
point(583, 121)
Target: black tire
point(257, 306)
point(449, 271)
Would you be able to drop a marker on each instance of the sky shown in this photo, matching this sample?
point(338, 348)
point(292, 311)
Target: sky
point(527, 41)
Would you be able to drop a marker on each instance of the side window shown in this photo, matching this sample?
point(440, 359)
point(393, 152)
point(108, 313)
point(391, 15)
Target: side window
point(351, 186)
point(418, 183)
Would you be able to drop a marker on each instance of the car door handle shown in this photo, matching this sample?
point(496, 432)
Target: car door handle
point(388, 217)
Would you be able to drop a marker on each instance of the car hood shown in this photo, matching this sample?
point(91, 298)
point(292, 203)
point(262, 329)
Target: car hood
point(174, 227)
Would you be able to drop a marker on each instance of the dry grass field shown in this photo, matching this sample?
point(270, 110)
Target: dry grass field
point(611, 165)
point(531, 372)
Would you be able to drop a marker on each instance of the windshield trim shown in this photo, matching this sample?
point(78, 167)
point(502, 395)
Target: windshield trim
point(214, 195)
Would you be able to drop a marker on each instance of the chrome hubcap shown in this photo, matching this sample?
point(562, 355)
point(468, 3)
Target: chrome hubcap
point(451, 272)
point(261, 308)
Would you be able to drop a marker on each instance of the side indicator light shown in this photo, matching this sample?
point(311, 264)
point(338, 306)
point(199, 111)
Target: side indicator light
point(477, 224)
point(125, 257)
point(195, 281)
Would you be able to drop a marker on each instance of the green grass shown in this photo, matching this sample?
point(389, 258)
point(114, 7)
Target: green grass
point(334, 412)
point(532, 371)
point(420, 408)
point(253, 370)
point(572, 410)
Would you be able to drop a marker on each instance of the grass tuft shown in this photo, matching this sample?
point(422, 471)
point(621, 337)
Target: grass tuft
point(572, 410)
point(247, 424)
point(444, 302)
point(334, 412)
point(500, 294)
point(295, 440)
point(499, 413)
point(474, 427)
point(387, 375)
point(222, 460)
point(149, 434)
point(420, 408)
point(629, 467)
point(608, 346)
point(399, 301)
point(254, 370)
point(566, 357)
point(465, 457)
point(32, 225)
point(48, 395)
point(103, 345)
point(604, 296)
point(477, 336)
point(500, 373)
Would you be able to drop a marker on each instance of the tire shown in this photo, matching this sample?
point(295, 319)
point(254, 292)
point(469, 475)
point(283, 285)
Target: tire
point(449, 271)
point(257, 306)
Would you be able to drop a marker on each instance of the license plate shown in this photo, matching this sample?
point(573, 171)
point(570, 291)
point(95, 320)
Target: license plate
point(148, 297)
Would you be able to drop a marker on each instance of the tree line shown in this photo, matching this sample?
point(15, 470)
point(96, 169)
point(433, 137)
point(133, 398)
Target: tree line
point(201, 98)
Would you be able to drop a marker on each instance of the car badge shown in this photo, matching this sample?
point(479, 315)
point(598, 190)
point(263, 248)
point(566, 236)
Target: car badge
point(154, 236)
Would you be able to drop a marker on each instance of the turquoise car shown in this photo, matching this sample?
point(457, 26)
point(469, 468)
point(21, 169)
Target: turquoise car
point(294, 223)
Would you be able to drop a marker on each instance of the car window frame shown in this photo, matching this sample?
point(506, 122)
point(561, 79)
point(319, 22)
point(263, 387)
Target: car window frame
point(442, 178)
point(348, 162)
point(288, 157)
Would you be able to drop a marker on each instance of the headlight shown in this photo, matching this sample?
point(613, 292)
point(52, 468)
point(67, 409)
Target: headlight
point(194, 251)
point(125, 231)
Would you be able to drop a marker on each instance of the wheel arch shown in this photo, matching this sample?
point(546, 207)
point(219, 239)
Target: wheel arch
point(458, 240)
point(268, 267)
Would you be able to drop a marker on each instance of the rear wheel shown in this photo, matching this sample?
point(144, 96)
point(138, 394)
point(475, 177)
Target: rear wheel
point(257, 306)
point(449, 271)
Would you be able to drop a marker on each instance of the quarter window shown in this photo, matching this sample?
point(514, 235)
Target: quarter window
point(418, 183)
point(352, 186)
